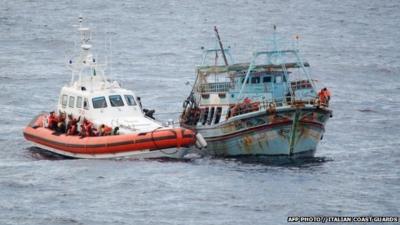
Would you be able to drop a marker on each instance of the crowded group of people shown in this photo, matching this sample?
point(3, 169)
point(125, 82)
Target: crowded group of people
point(60, 124)
point(244, 107)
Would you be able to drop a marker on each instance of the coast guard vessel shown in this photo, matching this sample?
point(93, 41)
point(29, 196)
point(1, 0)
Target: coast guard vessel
point(267, 107)
point(100, 104)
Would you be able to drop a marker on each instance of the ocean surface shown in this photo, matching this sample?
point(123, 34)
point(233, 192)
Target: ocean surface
point(153, 47)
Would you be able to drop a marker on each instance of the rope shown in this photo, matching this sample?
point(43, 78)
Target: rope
point(155, 143)
point(178, 112)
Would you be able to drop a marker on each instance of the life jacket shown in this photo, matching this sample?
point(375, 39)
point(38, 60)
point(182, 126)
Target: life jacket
point(255, 106)
point(88, 129)
point(327, 94)
point(72, 130)
point(324, 97)
point(52, 122)
point(247, 101)
point(107, 130)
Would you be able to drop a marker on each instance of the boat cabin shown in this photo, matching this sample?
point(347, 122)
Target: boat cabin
point(219, 88)
point(100, 106)
point(92, 96)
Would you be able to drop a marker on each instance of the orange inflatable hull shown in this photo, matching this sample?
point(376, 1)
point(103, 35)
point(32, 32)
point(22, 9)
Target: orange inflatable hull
point(115, 144)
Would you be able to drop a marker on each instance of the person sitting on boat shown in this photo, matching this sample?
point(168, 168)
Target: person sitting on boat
point(105, 130)
point(235, 110)
point(246, 106)
point(72, 127)
point(52, 121)
point(61, 128)
point(86, 128)
point(115, 131)
point(149, 113)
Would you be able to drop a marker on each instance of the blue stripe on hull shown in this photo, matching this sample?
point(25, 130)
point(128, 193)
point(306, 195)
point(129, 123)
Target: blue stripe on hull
point(271, 139)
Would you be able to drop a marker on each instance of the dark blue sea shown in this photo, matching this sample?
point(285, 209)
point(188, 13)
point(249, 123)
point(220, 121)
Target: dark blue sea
point(153, 47)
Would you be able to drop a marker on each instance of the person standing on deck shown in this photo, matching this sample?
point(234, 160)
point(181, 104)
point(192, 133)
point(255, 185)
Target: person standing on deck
point(324, 96)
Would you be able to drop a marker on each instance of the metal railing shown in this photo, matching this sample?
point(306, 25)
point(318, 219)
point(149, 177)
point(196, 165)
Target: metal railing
point(301, 84)
point(215, 87)
point(273, 104)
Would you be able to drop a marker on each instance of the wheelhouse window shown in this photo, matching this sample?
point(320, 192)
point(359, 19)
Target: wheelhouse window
point(278, 79)
point(64, 100)
point(266, 79)
point(71, 101)
point(99, 102)
point(130, 100)
point(79, 102)
point(116, 100)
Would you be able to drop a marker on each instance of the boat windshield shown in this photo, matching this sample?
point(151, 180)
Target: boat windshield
point(130, 100)
point(116, 101)
point(99, 102)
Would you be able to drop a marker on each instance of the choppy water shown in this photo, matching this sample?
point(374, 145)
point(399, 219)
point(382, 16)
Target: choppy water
point(353, 49)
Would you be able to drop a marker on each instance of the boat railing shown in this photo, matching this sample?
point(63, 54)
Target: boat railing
point(287, 101)
point(271, 106)
point(301, 84)
point(214, 87)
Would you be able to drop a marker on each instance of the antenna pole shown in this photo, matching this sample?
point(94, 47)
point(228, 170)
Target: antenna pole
point(220, 45)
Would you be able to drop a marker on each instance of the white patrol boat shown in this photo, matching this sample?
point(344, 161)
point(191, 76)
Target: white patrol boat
point(99, 119)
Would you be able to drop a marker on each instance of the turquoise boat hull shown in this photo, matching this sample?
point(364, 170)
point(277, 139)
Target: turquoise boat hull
point(289, 131)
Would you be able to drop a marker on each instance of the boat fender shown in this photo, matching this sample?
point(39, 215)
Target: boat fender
point(200, 141)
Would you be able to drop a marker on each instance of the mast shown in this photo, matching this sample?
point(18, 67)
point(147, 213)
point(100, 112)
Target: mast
point(220, 45)
point(84, 65)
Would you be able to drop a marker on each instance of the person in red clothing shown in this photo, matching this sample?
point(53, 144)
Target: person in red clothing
point(53, 120)
point(72, 128)
point(86, 128)
point(324, 96)
point(105, 130)
point(327, 94)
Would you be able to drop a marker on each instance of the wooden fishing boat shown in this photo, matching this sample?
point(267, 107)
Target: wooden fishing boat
point(268, 107)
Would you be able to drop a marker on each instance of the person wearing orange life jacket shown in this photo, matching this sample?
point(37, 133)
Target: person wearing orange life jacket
point(86, 128)
point(53, 120)
point(327, 94)
point(72, 127)
point(105, 130)
point(61, 127)
point(324, 96)
point(247, 100)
